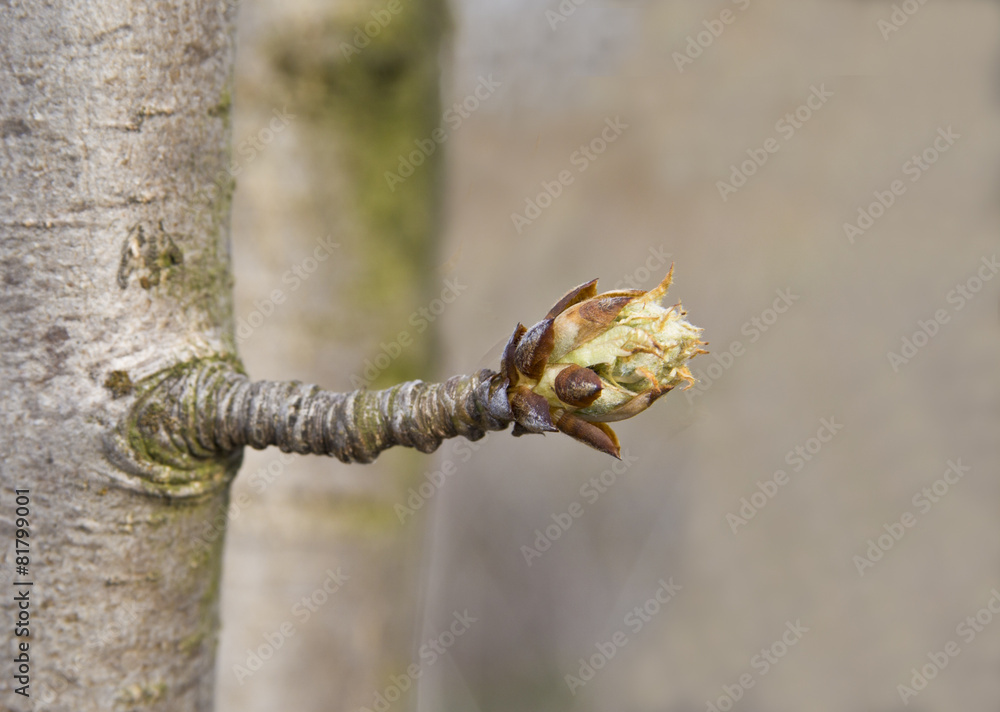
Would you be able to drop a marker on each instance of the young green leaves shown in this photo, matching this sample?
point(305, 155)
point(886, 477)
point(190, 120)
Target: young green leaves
point(597, 358)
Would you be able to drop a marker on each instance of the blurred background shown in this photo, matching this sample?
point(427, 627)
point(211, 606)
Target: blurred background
point(813, 526)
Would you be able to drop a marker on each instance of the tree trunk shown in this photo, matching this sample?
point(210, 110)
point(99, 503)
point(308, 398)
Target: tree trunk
point(357, 109)
point(114, 121)
point(115, 264)
point(126, 407)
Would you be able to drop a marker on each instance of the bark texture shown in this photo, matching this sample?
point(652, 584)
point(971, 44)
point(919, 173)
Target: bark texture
point(206, 410)
point(114, 265)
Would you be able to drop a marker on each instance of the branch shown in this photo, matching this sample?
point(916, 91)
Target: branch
point(592, 360)
point(355, 426)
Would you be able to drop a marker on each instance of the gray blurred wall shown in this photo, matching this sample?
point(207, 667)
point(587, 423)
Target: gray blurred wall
point(823, 390)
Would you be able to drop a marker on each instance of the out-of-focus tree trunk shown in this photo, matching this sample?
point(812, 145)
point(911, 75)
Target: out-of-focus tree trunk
point(114, 264)
point(355, 114)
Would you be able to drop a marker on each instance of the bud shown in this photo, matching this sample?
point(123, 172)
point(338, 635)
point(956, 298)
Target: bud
point(595, 359)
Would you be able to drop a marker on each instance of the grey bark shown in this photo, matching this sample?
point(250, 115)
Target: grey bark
point(206, 410)
point(116, 306)
point(114, 264)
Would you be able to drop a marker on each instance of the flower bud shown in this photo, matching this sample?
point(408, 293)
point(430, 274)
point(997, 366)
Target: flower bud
point(597, 358)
